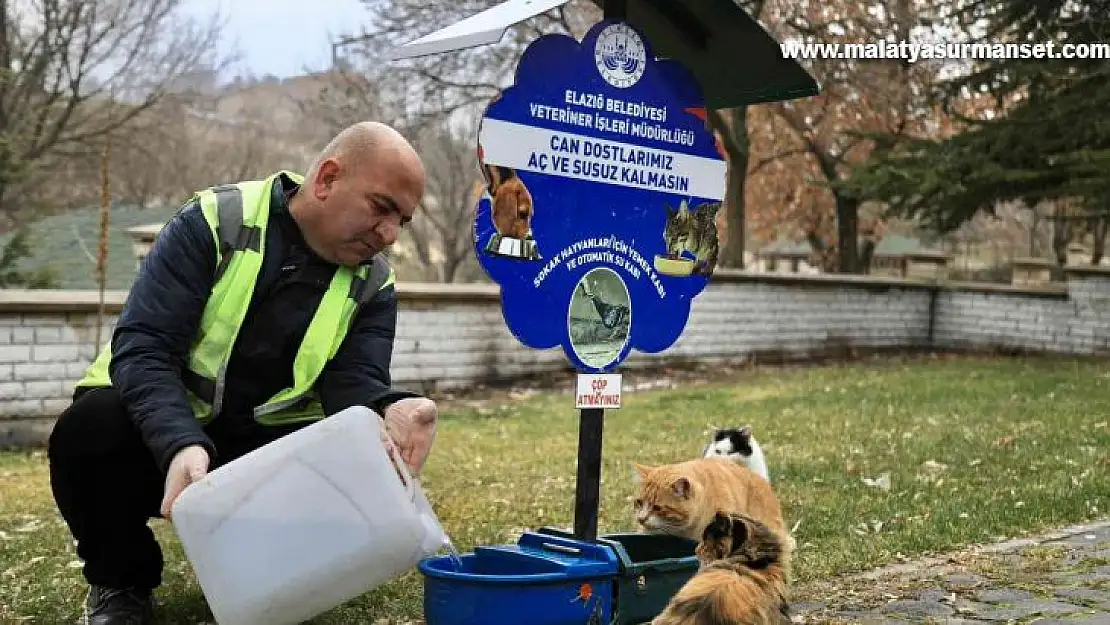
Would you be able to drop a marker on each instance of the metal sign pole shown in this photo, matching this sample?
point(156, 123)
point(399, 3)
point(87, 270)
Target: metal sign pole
point(591, 421)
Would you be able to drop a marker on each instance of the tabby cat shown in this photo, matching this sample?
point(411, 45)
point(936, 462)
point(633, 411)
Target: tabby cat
point(682, 498)
point(693, 231)
point(742, 580)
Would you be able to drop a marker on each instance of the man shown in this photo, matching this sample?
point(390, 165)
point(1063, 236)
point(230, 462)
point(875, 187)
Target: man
point(261, 307)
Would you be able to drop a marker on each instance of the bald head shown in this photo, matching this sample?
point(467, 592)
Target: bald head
point(361, 189)
point(367, 142)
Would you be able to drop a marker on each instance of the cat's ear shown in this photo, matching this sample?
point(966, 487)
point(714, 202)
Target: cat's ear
point(745, 432)
point(740, 531)
point(639, 472)
point(681, 488)
point(718, 528)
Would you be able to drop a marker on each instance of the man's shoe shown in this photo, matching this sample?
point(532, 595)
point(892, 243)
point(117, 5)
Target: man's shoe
point(113, 606)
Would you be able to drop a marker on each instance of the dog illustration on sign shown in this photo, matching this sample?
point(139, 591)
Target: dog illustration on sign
point(511, 210)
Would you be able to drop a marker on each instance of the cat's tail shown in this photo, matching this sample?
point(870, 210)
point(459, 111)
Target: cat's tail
point(719, 596)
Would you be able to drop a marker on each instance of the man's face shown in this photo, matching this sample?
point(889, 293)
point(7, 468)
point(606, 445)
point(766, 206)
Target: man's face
point(363, 208)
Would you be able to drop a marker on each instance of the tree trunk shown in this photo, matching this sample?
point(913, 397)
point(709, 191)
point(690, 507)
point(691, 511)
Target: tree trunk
point(734, 192)
point(449, 269)
point(1036, 221)
point(847, 234)
point(1098, 245)
point(866, 253)
point(734, 143)
point(1061, 237)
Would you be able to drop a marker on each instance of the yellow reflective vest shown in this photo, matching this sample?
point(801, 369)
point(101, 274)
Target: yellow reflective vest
point(238, 215)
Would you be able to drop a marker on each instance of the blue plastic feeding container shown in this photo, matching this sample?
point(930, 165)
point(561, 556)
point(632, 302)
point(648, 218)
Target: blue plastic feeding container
point(541, 580)
point(653, 568)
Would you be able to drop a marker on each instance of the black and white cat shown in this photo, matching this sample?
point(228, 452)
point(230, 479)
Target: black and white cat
point(739, 446)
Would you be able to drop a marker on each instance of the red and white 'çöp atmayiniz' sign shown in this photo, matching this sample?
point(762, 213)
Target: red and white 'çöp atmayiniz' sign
point(598, 390)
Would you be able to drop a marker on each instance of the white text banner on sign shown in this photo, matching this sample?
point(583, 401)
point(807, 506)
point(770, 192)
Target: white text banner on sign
point(558, 153)
point(598, 390)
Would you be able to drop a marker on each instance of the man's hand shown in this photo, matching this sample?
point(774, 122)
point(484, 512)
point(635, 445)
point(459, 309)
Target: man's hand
point(411, 423)
point(188, 465)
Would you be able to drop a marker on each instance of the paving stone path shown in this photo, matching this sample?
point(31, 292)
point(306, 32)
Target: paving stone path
point(1061, 578)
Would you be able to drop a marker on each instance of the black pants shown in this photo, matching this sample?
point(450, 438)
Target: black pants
point(107, 484)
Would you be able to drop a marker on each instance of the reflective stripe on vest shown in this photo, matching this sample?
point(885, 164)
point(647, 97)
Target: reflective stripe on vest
point(237, 216)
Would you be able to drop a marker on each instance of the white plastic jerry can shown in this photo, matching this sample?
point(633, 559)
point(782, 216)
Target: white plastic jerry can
point(304, 524)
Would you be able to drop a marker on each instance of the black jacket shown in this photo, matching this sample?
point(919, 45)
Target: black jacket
point(161, 316)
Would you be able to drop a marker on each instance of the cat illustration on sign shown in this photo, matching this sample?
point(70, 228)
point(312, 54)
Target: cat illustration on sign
point(692, 231)
point(511, 210)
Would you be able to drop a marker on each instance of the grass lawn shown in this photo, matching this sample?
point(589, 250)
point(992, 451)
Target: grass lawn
point(975, 449)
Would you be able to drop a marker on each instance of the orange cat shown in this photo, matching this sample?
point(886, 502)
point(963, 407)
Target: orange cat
point(742, 580)
point(681, 499)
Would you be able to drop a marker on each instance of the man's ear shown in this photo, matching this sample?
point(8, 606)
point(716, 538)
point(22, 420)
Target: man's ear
point(324, 181)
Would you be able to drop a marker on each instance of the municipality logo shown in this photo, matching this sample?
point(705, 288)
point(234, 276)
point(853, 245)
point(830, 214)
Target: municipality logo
point(620, 56)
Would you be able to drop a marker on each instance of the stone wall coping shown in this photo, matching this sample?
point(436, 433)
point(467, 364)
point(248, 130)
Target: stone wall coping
point(148, 231)
point(52, 300)
point(823, 279)
point(1054, 290)
point(1032, 263)
point(470, 291)
point(1087, 270)
point(56, 300)
point(928, 256)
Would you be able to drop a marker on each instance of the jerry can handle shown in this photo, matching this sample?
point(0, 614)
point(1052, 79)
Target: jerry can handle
point(403, 473)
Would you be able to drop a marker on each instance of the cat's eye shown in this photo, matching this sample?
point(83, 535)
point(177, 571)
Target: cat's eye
point(638, 503)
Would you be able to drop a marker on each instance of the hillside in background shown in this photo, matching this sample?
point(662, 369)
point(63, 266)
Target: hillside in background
point(56, 243)
point(243, 130)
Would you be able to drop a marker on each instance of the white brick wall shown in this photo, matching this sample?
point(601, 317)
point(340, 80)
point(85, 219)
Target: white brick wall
point(42, 355)
point(1071, 321)
point(454, 335)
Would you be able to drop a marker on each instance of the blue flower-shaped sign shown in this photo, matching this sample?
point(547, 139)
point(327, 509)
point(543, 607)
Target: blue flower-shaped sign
point(603, 187)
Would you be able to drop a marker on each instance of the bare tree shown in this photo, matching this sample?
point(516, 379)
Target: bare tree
point(151, 155)
point(441, 238)
point(75, 72)
point(189, 141)
point(463, 81)
point(350, 95)
point(437, 245)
